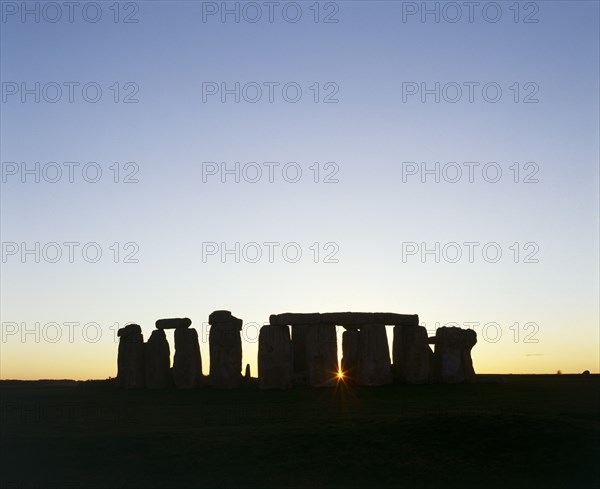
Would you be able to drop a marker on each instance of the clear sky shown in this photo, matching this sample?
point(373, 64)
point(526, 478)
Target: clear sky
point(366, 117)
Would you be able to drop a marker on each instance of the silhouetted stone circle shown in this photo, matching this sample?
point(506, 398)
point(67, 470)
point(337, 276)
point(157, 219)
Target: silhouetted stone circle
point(306, 357)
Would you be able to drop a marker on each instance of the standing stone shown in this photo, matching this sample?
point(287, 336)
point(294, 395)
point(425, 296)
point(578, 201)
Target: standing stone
point(187, 364)
point(130, 360)
point(374, 367)
point(350, 352)
point(225, 346)
point(413, 358)
point(452, 358)
point(158, 361)
point(299, 353)
point(275, 365)
point(321, 355)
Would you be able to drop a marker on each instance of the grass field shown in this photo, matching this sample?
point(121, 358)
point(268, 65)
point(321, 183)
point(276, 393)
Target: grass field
point(533, 431)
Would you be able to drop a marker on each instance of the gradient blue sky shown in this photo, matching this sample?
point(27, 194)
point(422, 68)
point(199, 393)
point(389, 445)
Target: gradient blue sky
point(369, 53)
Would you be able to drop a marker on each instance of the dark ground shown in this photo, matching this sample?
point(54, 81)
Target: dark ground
point(533, 431)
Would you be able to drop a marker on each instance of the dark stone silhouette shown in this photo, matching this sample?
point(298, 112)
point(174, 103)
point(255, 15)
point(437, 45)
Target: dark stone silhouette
point(221, 316)
point(308, 358)
point(130, 329)
point(346, 319)
point(173, 323)
point(158, 361)
point(225, 350)
point(374, 367)
point(187, 364)
point(452, 358)
point(321, 355)
point(299, 353)
point(275, 366)
point(130, 360)
point(413, 358)
point(350, 350)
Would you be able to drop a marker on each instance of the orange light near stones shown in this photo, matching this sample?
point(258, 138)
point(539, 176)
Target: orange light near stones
point(340, 375)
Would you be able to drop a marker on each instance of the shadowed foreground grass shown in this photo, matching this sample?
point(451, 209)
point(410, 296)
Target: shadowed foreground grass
point(534, 431)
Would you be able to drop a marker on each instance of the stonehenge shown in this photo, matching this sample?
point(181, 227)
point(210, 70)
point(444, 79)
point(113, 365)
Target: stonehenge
point(130, 358)
point(350, 348)
point(298, 353)
point(413, 358)
point(365, 358)
point(346, 319)
point(374, 366)
point(173, 323)
point(275, 362)
point(187, 364)
point(225, 345)
point(321, 355)
point(298, 349)
point(158, 361)
point(453, 363)
point(142, 364)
